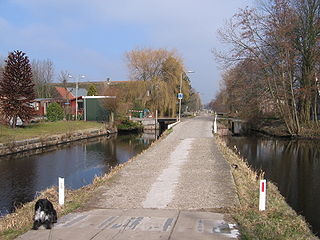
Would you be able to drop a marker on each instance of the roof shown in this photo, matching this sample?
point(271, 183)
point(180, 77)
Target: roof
point(70, 93)
point(81, 91)
point(64, 93)
point(43, 99)
point(96, 97)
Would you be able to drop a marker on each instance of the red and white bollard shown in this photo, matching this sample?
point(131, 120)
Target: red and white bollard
point(262, 195)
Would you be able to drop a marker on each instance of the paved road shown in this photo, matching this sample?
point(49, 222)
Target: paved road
point(174, 190)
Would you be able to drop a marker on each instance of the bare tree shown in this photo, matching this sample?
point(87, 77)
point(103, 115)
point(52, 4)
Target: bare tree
point(43, 71)
point(146, 64)
point(281, 39)
point(2, 63)
point(64, 77)
point(307, 43)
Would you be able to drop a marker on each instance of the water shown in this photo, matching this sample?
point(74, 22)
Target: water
point(23, 175)
point(293, 165)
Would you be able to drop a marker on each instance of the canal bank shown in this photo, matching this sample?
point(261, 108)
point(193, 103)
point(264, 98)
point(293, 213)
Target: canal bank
point(52, 140)
point(268, 127)
point(292, 164)
point(279, 221)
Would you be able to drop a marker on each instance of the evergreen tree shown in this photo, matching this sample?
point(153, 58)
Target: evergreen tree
point(17, 88)
point(92, 90)
point(55, 112)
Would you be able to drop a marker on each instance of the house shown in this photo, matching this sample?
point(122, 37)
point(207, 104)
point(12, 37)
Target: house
point(40, 105)
point(89, 108)
point(72, 97)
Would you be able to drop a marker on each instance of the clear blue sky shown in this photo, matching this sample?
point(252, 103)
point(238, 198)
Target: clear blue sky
point(90, 37)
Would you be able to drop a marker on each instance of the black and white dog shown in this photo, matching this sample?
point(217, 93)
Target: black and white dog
point(44, 213)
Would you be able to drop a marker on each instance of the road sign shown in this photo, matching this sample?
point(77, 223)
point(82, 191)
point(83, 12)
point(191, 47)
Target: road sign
point(180, 95)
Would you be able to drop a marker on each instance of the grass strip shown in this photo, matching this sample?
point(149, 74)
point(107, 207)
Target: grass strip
point(42, 129)
point(279, 221)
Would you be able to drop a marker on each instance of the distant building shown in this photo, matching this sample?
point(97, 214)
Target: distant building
point(90, 108)
point(69, 96)
point(40, 105)
point(95, 110)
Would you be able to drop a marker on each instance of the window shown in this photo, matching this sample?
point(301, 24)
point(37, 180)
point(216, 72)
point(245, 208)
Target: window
point(80, 105)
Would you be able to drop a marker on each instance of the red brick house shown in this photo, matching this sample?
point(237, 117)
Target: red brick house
point(68, 95)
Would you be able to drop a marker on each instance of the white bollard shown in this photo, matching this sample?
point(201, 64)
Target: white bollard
point(61, 191)
point(215, 128)
point(262, 195)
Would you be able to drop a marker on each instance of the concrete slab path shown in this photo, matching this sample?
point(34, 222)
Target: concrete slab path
point(177, 189)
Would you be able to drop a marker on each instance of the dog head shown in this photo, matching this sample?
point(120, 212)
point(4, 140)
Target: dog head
point(44, 214)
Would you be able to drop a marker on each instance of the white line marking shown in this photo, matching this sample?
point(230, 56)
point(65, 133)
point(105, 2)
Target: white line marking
point(162, 191)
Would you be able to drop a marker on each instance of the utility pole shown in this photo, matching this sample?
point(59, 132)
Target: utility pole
point(180, 95)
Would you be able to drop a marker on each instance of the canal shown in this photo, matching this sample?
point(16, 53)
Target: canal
point(24, 175)
point(293, 165)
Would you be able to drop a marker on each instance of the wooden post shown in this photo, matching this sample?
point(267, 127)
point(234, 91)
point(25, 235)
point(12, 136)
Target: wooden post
point(156, 121)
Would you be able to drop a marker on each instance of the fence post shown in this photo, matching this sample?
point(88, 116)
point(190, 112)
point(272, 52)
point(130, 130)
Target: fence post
point(215, 128)
point(61, 190)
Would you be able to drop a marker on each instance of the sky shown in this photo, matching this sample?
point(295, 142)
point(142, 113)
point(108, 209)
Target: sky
point(91, 37)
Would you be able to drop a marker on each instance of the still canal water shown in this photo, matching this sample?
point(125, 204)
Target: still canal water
point(22, 176)
point(293, 165)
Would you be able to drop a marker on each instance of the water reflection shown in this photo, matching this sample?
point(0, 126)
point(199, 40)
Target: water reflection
point(293, 165)
point(23, 175)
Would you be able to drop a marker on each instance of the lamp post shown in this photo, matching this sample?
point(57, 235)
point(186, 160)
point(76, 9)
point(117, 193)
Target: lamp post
point(77, 82)
point(180, 95)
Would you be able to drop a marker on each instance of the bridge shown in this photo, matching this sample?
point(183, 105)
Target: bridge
point(150, 123)
point(237, 126)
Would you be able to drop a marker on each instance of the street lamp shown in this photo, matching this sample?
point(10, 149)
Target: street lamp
point(77, 82)
point(180, 95)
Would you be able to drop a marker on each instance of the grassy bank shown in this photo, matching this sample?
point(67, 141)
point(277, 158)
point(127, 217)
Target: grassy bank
point(8, 134)
point(279, 221)
point(277, 128)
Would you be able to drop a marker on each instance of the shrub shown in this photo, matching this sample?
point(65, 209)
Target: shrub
point(55, 112)
point(128, 125)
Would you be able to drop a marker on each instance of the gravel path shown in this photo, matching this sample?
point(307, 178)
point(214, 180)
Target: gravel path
point(183, 171)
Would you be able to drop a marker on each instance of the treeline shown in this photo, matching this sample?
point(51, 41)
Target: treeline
point(156, 77)
point(273, 63)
